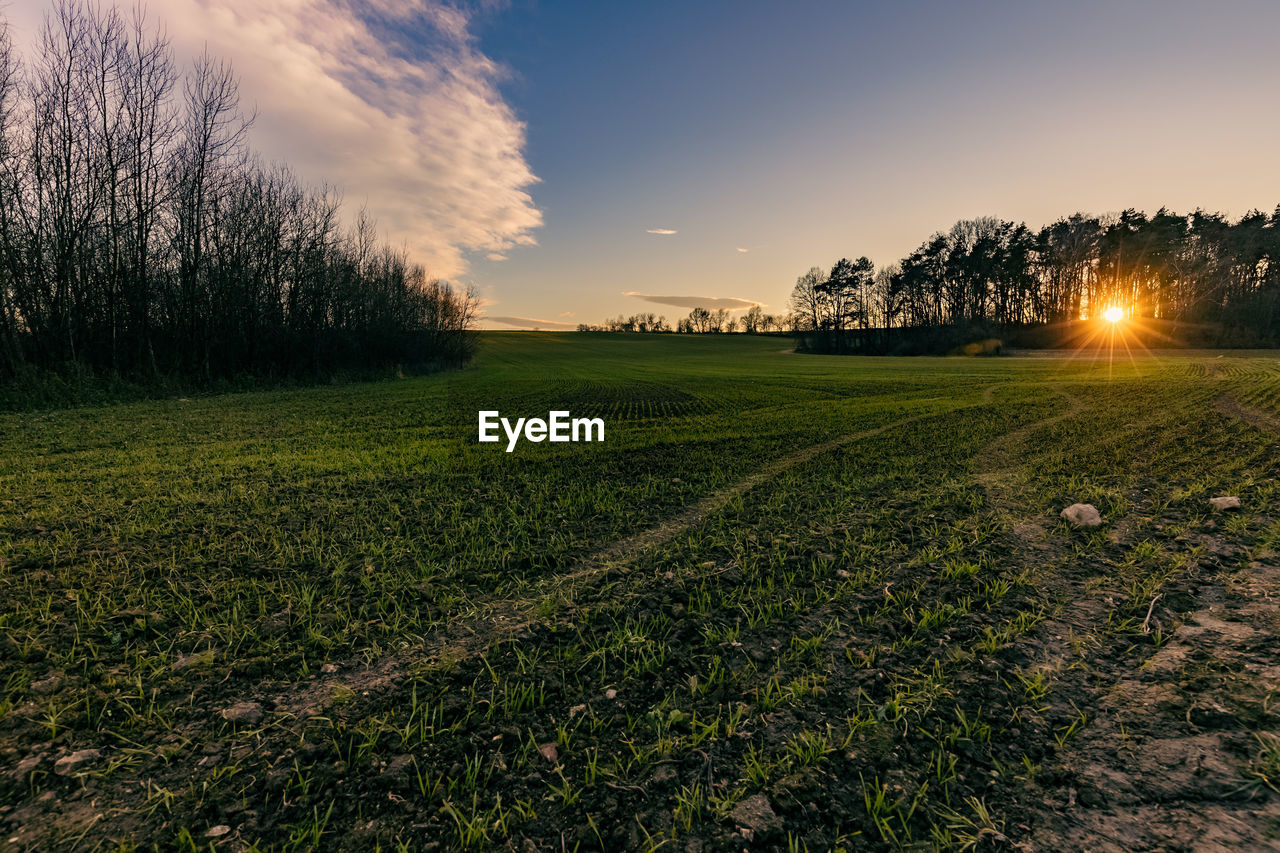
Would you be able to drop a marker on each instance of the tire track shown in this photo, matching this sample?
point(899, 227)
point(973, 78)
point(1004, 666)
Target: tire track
point(511, 614)
point(1230, 406)
point(469, 633)
point(991, 463)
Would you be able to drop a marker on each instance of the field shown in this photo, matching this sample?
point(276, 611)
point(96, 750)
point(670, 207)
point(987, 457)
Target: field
point(791, 602)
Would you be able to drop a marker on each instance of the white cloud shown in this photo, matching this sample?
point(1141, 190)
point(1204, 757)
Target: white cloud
point(532, 323)
point(742, 250)
point(497, 256)
point(711, 303)
point(663, 231)
point(391, 101)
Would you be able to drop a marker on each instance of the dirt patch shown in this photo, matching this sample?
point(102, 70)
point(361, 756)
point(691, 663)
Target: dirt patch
point(1159, 736)
point(1170, 756)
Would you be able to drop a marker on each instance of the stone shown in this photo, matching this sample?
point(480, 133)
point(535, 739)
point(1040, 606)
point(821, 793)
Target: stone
point(329, 669)
point(1225, 503)
point(26, 765)
point(248, 713)
point(664, 774)
point(191, 661)
point(550, 752)
point(45, 686)
point(757, 815)
point(1082, 515)
point(399, 766)
point(68, 764)
point(217, 831)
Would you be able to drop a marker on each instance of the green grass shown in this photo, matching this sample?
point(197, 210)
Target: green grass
point(846, 627)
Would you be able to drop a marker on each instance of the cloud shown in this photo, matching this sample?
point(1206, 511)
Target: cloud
point(390, 100)
point(742, 250)
point(709, 302)
point(665, 232)
point(497, 256)
point(566, 314)
point(532, 323)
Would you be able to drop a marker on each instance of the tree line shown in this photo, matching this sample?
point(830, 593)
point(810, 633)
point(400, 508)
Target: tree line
point(700, 321)
point(1210, 279)
point(141, 236)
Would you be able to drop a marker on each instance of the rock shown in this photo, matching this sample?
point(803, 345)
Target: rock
point(329, 669)
point(217, 831)
point(1222, 504)
point(576, 710)
point(47, 685)
point(248, 713)
point(611, 694)
point(664, 774)
point(550, 752)
point(756, 814)
point(26, 765)
point(68, 764)
point(191, 661)
point(1082, 515)
point(399, 766)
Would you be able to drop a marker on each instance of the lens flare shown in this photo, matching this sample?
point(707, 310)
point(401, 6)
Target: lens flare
point(1113, 315)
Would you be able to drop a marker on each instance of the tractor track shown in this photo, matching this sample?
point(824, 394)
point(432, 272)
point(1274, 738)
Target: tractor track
point(468, 634)
point(1230, 406)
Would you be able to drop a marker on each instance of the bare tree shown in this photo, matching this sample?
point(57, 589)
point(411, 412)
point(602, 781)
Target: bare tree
point(150, 125)
point(807, 299)
point(138, 232)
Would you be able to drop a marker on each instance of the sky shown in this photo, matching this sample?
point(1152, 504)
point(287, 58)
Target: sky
point(575, 160)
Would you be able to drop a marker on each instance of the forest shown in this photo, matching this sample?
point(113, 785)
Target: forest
point(1196, 279)
point(141, 236)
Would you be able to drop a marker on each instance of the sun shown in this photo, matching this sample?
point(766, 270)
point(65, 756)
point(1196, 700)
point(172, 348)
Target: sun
point(1113, 315)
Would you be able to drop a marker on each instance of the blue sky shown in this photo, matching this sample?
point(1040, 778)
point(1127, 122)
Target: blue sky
point(805, 131)
point(530, 148)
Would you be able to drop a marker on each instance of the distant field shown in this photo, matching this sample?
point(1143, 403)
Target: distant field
point(791, 602)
